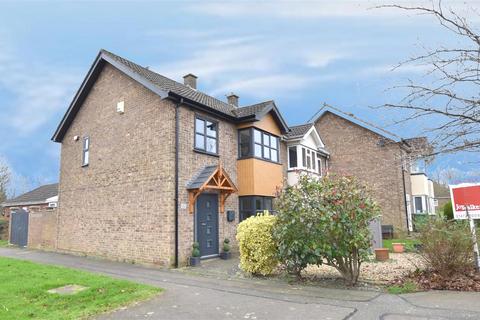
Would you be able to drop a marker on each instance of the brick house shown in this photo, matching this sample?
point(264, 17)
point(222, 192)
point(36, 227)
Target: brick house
point(377, 157)
point(41, 198)
point(150, 165)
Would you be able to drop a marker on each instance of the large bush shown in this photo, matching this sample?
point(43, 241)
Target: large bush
point(325, 221)
point(448, 210)
point(258, 250)
point(447, 246)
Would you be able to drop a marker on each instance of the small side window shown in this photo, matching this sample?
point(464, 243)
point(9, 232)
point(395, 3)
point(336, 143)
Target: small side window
point(86, 151)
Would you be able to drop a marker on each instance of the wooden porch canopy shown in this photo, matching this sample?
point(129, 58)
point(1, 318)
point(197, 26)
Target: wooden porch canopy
point(212, 178)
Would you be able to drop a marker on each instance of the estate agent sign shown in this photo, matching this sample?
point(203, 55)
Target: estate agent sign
point(466, 205)
point(465, 197)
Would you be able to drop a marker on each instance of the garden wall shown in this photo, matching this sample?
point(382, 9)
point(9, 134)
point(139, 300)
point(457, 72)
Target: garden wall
point(3, 228)
point(42, 229)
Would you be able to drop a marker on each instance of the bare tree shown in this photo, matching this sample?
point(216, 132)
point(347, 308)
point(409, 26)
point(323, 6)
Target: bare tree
point(4, 180)
point(449, 100)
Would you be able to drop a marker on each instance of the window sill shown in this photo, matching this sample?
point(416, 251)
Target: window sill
point(303, 170)
point(206, 153)
point(266, 160)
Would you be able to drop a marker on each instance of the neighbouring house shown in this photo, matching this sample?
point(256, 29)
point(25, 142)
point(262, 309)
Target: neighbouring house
point(377, 157)
point(423, 195)
point(43, 197)
point(441, 194)
point(306, 152)
point(150, 165)
point(32, 217)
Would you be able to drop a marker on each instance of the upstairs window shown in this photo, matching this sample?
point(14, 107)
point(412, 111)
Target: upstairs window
point(245, 142)
point(292, 157)
point(206, 133)
point(258, 144)
point(86, 151)
point(319, 163)
point(304, 158)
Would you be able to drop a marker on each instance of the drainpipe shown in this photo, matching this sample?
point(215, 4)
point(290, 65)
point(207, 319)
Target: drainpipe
point(405, 194)
point(177, 121)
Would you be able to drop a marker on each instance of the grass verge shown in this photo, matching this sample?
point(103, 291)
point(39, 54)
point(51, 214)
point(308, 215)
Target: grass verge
point(409, 243)
point(24, 285)
point(406, 287)
point(3, 243)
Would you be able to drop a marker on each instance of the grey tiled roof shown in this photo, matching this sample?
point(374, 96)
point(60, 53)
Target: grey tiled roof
point(201, 177)
point(174, 86)
point(252, 109)
point(38, 195)
point(298, 131)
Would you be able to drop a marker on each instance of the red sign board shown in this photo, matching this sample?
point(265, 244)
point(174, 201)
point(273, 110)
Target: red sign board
point(465, 197)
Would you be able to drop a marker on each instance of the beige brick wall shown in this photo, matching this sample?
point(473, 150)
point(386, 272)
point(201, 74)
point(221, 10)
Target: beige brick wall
point(356, 151)
point(190, 163)
point(121, 206)
point(42, 229)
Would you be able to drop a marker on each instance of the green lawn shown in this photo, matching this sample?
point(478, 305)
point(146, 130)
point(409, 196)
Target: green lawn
point(408, 243)
point(24, 285)
point(3, 243)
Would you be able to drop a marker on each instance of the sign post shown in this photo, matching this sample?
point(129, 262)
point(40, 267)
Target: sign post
point(473, 230)
point(466, 205)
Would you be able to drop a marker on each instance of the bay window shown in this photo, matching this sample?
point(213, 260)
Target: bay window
point(292, 157)
point(304, 158)
point(263, 145)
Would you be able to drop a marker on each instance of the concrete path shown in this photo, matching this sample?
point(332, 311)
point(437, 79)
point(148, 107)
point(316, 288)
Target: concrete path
point(189, 296)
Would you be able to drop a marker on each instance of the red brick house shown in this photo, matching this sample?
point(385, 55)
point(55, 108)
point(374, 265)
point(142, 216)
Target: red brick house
point(150, 165)
point(377, 157)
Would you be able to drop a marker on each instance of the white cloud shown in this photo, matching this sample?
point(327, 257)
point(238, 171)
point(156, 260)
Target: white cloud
point(317, 59)
point(301, 9)
point(38, 91)
point(221, 57)
point(250, 64)
point(264, 86)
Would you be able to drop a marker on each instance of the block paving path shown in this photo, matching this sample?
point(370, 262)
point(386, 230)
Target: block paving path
point(201, 296)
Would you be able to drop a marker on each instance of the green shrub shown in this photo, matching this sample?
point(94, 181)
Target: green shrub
point(448, 210)
point(195, 250)
point(447, 246)
point(258, 250)
point(325, 221)
point(226, 245)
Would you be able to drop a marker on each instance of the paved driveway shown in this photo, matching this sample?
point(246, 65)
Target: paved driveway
point(190, 296)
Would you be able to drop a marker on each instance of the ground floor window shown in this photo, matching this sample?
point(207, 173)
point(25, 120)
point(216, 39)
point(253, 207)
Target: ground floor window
point(419, 205)
point(251, 205)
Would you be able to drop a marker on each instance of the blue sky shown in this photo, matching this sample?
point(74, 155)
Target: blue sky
point(299, 53)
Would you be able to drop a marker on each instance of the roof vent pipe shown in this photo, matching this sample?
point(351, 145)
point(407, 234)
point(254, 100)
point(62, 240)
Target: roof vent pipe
point(190, 80)
point(232, 99)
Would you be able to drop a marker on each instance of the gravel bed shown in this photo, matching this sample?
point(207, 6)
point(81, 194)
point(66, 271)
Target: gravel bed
point(373, 271)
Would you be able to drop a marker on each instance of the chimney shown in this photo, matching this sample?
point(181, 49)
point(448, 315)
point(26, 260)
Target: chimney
point(232, 99)
point(190, 80)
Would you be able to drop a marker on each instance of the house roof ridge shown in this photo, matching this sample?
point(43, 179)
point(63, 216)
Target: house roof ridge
point(37, 195)
point(165, 78)
point(359, 121)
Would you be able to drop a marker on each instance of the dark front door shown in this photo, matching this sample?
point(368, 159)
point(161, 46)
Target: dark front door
point(19, 232)
point(207, 224)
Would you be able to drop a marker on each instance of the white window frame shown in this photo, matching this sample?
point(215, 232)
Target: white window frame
point(86, 151)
